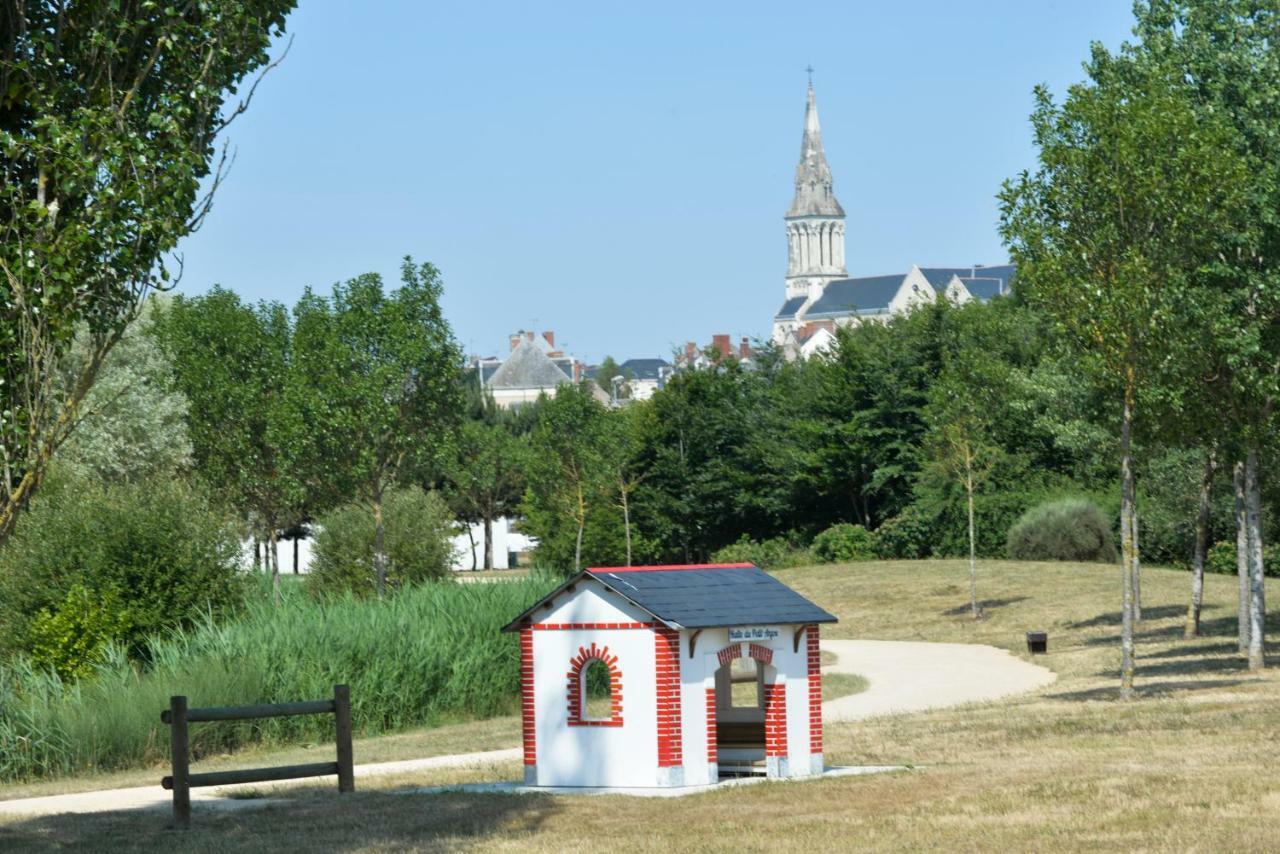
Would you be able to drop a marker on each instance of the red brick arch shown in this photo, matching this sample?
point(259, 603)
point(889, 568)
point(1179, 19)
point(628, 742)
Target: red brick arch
point(577, 708)
point(762, 654)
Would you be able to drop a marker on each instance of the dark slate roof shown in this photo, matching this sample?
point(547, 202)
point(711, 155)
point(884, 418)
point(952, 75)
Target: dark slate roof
point(645, 369)
point(939, 276)
point(790, 307)
point(982, 288)
point(868, 295)
point(528, 367)
point(701, 596)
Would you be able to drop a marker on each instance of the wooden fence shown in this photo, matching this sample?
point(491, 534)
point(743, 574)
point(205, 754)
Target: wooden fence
point(182, 781)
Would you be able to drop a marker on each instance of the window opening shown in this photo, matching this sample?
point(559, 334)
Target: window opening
point(745, 684)
point(597, 691)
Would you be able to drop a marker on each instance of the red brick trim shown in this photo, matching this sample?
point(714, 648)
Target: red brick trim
point(577, 708)
point(591, 626)
point(762, 654)
point(815, 689)
point(775, 720)
point(528, 724)
point(711, 726)
point(729, 653)
point(667, 659)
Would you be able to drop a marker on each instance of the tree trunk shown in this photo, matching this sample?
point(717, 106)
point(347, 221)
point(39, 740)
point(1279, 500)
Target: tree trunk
point(471, 537)
point(275, 567)
point(295, 553)
point(1202, 546)
point(379, 547)
point(1135, 574)
point(1242, 557)
point(488, 543)
point(577, 549)
point(1127, 547)
point(257, 554)
point(626, 521)
point(1257, 593)
point(973, 558)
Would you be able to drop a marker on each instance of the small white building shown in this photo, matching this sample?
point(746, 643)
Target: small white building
point(670, 676)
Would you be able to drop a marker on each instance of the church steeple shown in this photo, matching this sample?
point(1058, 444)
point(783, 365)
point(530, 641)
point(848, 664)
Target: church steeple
point(815, 221)
point(814, 193)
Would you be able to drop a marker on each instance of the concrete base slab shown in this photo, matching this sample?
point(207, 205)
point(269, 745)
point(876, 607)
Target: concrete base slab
point(651, 792)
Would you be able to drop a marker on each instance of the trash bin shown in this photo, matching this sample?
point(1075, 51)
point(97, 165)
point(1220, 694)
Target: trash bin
point(1037, 642)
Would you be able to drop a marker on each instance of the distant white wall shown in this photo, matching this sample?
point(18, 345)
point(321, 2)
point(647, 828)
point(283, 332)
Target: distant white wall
point(505, 540)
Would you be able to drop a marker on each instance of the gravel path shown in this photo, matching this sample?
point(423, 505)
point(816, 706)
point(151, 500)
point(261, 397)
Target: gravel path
point(909, 676)
point(904, 676)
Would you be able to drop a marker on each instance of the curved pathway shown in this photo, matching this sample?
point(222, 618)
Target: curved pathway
point(904, 676)
point(910, 676)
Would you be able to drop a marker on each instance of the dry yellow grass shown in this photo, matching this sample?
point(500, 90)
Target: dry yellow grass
point(1194, 763)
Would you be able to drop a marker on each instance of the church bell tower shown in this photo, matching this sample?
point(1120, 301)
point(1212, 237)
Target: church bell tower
point(815, 221)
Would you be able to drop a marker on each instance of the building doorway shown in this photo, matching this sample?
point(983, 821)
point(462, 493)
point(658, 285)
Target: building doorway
point(740, 718)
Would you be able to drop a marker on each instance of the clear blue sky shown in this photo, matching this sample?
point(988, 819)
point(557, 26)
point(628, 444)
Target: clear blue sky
point(619, 172)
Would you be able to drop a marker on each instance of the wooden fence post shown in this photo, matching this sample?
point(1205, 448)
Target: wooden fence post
point(342, 717)
point(178, 749)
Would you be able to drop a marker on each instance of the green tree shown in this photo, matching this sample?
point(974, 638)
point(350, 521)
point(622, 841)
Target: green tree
point(133, 419)
point(485, 475)
point(374, 378)
point(109, 114)
point(568, 477)
point(959, 437)
point(1225, 50)
point(1132, 192)
point(230, 361)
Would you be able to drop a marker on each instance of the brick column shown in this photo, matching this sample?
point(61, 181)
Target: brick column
point(815, 700)
point(775, 730)
point(667, 663)
point(712, 755)
point(528, 719)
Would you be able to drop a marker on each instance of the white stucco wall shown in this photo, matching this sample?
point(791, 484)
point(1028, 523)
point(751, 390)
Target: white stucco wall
point(595, 755)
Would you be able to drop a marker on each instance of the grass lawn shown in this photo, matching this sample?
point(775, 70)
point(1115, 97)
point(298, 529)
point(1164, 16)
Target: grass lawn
point(1194, 763)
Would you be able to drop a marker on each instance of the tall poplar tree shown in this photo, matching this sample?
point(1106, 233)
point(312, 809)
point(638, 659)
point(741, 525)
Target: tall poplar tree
point(109, 114)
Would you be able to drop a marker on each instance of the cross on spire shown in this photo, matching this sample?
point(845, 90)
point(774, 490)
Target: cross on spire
point(809, 70)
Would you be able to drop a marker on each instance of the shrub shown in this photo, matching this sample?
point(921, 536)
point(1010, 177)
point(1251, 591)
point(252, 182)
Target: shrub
point(844, 542)
point(1222, 558)
point(72, 638)
point(151, 555)
point(907, 536)
point(417, 530)
point(421, 655)
point(775, 553)
point(1063, 529)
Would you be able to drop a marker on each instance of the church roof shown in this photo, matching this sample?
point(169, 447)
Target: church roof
point(984, 288)
point(870, 295)
point(790, 307)
point(814, 193)
point(939, 276)
point(528, 366)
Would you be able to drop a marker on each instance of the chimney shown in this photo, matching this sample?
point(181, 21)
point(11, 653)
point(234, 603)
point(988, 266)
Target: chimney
point(515, 340)
point(550, 338)
point(744, 349)
point(690, 352)
point(528, 336)
point(721, 343)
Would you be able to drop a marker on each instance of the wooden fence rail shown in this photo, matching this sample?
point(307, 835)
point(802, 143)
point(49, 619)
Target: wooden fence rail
point(182, 781)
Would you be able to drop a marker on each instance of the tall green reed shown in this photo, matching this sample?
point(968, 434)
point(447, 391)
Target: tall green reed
point(425, 654)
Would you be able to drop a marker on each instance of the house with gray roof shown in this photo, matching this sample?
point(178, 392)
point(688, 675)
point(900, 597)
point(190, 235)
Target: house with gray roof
point(534, 367)
point(820, 294)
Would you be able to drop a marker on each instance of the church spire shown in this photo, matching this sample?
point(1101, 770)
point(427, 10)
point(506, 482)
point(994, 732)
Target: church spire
point(814, 193)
